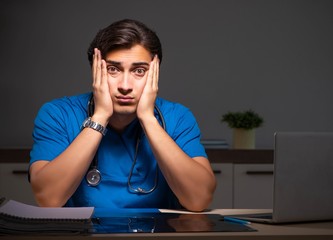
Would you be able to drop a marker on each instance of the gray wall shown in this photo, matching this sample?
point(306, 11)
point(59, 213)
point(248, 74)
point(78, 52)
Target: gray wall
point(275, 57)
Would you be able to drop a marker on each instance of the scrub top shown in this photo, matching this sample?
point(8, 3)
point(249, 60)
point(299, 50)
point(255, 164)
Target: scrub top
point(58, 123)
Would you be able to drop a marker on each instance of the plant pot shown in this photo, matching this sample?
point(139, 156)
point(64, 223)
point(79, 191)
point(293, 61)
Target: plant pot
point(243, 138)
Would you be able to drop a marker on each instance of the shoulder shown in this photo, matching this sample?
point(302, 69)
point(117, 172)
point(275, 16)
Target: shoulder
point(63, 111)
point(182, 127)
point(66, 105)
point(69, 101)
point(168, 107)
point(175, 114)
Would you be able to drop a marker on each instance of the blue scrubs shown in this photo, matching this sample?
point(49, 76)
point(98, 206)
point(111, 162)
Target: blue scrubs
point(59, 122)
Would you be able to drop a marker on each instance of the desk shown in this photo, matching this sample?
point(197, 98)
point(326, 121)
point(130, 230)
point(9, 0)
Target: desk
point(309, 231)
point(313, 231)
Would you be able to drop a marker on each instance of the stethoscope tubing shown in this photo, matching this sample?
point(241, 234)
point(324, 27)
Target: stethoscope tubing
point(93, 176)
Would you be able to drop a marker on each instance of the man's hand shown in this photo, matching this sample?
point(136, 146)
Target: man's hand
point(102, 97)
point(147, 100)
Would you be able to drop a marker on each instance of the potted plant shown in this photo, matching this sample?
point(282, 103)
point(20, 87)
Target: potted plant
point(243, 125)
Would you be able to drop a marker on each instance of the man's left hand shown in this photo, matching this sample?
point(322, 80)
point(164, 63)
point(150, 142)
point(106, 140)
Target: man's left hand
point(147, 100)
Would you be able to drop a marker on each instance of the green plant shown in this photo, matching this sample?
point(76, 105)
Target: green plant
point(246, 120)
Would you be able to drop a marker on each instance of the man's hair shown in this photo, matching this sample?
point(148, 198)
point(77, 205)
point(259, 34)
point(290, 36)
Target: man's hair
point(124, 34)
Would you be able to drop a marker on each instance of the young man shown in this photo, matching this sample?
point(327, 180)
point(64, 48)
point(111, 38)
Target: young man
point(121, 145)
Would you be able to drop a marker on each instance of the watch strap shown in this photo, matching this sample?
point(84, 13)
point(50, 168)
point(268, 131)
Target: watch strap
point(88, 123)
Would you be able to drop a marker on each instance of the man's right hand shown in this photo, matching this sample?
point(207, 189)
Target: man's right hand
point(102, 97)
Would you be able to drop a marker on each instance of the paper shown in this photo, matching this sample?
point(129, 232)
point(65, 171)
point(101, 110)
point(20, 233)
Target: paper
point(223, 212)
point(24, 211)
point(21, 219)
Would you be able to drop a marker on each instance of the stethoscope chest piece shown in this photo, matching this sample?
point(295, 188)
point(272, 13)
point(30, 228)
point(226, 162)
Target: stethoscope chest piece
point(93, 177)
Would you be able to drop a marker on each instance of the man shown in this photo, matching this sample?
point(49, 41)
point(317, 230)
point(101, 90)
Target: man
point(121, 145)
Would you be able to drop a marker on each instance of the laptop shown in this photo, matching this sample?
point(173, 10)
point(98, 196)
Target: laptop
point(303, 178)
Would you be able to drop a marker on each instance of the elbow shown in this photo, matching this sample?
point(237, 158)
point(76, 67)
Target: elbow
point(48, 201)
point(45, 198)
point(45, 195)
point(200, 202)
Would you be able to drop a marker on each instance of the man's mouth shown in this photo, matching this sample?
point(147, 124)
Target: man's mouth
point(124, 99)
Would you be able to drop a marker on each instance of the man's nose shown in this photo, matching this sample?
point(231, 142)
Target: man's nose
point(125, 84)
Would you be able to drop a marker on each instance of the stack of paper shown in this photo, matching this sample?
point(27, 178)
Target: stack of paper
point(18, 218)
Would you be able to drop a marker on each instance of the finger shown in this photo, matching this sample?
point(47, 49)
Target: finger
point(153, 80)
point(153, 71)
point(156, 73)
point(150, 74)
point(103, 73)
point(94, 65)
point(97, 75)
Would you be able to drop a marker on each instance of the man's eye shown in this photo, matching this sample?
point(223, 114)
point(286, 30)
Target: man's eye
point(112, 70)
point(140, 72)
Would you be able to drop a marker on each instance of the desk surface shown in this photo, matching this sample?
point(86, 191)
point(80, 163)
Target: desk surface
point(314, 230)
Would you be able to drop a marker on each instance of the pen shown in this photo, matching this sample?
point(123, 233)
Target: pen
point(236, 220)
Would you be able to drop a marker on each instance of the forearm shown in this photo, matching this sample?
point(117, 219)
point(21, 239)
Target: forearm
point(54, 182)
point(192, 180)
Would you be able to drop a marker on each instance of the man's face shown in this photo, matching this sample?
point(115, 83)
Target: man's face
point(127, 74)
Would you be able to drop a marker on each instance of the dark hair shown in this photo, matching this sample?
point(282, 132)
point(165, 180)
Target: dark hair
point(124, 34)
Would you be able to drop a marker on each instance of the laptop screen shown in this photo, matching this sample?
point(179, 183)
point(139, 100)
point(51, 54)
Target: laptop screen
point(303, 176)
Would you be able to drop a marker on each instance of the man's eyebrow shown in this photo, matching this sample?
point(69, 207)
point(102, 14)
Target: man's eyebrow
point(140, 64)
point(135, 64)
point(113, 62)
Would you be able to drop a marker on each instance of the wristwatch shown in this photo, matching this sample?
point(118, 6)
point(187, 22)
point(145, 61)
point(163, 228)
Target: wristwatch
point(88, 123)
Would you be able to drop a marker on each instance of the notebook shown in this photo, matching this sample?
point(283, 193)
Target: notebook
point(17, 218)
point(303, 178)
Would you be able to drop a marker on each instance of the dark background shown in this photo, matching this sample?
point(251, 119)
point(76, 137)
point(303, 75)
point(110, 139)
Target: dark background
point(275, 57)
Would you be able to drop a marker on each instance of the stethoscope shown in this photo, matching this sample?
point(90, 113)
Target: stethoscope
point(94, 177)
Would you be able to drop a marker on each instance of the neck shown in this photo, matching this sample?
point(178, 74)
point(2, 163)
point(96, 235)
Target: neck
point(119, 122)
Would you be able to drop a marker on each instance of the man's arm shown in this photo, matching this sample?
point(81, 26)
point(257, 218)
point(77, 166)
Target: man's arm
point(191, 179)
point(54, 182)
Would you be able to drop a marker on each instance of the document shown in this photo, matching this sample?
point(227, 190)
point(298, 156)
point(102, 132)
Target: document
point(18, 218)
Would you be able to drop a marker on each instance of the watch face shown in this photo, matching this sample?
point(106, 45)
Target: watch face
point(93, 177)
point(86, 122)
